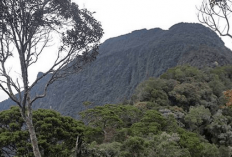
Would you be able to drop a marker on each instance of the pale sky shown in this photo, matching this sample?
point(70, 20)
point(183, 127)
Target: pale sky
point(120, 17)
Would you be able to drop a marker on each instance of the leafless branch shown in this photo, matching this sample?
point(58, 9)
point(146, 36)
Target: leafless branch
point(216, 10)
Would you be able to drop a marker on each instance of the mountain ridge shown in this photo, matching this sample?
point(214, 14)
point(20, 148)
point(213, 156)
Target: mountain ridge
point(129, 59)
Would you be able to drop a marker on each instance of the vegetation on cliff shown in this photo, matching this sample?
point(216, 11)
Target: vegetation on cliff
point(186, 112)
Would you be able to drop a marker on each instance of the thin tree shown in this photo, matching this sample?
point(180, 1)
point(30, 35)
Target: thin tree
point(216, 14)
point(27, 28)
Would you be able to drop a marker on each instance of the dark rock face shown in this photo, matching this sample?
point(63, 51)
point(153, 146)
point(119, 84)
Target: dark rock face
point(127, 60)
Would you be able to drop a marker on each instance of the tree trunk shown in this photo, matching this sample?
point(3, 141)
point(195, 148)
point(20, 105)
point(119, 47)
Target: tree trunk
point(33, 137)
point(78, 146)
point(108, 134)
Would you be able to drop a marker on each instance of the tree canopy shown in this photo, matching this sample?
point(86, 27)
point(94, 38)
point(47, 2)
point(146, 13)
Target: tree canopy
point(200, 127)
point(56, 134)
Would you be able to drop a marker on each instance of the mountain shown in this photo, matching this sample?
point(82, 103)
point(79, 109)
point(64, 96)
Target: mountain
point(127, 60)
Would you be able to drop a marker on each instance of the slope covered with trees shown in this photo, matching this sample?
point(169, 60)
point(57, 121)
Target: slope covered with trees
point(186, 112)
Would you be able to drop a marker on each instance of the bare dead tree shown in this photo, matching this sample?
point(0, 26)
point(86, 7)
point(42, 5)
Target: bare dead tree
point(216, 14)
point(26, 29)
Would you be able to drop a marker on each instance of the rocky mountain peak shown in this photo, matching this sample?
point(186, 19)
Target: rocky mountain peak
point(127, 60)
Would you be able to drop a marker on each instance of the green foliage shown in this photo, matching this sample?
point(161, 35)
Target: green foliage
point(151, 122)
point(13, 136)
point(87, 104)
point(224, 75)
point(185, 86)
point(167, 145)
point(220, 129)
point(103, 150)
point(172, 125)
point(135, 146)
point(109, 118)
point(155, 90)
point(217, 86)
point(191, 94)
point(225, 151)
point(200, 94)
point(56, 134)
point(183, 74)
point(93, 134)
point(210, 150)
point(196, 117)
point(129, 114)
point(181, 114)
point(102, 116)
point(191, 141)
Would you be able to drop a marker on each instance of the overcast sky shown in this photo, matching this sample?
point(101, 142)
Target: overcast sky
point(120, 17)
point(124, 16)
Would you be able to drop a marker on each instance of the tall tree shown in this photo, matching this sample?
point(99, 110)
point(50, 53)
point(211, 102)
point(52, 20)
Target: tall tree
point(216, 15)
point(27, 28)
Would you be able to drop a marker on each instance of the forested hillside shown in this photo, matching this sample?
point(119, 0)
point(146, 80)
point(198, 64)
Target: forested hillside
point(186, 112)
point(127, 60)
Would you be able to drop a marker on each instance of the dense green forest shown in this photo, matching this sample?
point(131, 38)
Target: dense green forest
point(186, 112)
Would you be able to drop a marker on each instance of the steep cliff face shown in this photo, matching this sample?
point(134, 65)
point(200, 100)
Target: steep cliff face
point(127, 60)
